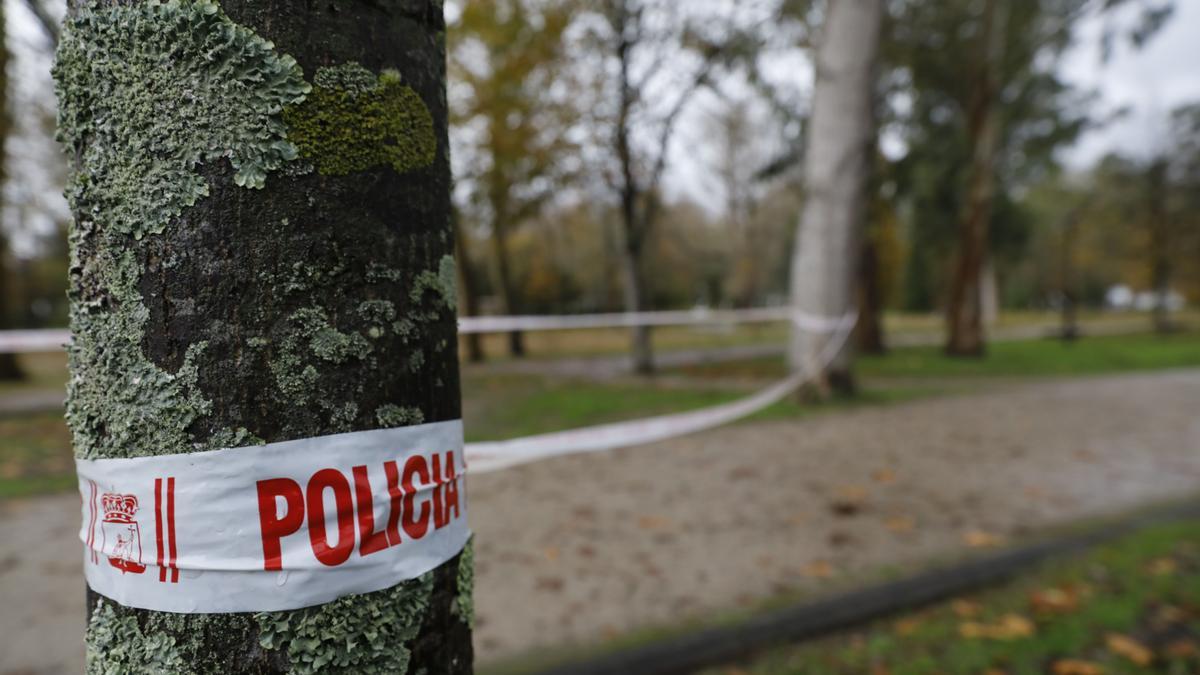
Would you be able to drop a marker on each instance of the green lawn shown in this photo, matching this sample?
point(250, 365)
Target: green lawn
point(1132, 607)
point(35, 455)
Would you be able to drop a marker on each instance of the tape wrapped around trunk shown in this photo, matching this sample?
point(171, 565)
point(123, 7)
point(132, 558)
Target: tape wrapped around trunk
point(277, 526)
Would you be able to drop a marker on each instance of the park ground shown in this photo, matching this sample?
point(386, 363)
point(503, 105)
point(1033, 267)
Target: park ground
point(937, 459)
point(1130, 607)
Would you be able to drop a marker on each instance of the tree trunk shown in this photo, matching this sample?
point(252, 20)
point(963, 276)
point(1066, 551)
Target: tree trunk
point(869, 331)
point(226, 293)
point(10, 370)
point(1160, 246)
point(825, 261)
point(508, 291)
point(470, 290)
point(964, 313)
point(641, 347)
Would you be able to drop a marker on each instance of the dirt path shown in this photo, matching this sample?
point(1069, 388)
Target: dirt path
point(578, 549)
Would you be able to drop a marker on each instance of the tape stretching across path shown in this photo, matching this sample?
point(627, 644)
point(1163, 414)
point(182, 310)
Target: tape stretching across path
point(53, 339)
point(277, 526)
point(491, 456)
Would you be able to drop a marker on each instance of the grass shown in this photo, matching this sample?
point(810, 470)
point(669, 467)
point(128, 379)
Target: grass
point(1131, 607)
point(35, 455)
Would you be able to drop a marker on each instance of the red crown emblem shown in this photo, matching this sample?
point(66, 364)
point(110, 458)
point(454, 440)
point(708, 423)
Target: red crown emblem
point(119, 508)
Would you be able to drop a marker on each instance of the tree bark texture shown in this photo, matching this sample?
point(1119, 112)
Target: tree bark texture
point(826, 258)
point(262, 251)
point(964, 312)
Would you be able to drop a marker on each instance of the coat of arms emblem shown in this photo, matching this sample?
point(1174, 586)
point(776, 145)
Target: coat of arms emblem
point(120, 531)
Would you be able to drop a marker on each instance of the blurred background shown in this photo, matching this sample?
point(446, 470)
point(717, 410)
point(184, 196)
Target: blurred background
point(641, 155)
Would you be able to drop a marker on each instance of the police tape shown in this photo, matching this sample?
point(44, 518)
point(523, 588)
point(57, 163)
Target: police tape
point(486, 457)
point(691, 317)
point(53, 339)
point(277, 526)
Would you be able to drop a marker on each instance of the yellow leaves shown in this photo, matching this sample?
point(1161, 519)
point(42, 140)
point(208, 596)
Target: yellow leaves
point(1162, 567)
point(884, 476)
point(818, 569)
point(1054, 600)
point(653, 522)
point(1127, 647)
point(1076, 667)
point(965, 609)
point(901, 524)
point(1009, 627)
point(551, 553)
point(982, 539)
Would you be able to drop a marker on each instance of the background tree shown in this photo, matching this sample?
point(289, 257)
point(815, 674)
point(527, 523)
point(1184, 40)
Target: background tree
point(9, 368)
point(653, 62)
point(836, 164)
point(262, 252)
point(513, 104)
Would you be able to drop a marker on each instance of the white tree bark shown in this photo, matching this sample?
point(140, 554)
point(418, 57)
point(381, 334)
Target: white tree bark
point(840, 138)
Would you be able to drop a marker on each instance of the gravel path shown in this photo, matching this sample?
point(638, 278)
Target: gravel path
point(578, 549)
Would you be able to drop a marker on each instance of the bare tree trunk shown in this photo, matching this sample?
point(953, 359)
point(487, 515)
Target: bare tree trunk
point(226, 292)
point(1160, 246)
point(964, 313)
point(504, 280)
point(825, 261)
point(470, 290)
point(642, 349)
point(869, 331)
point(1070, 319)
point(10, 370)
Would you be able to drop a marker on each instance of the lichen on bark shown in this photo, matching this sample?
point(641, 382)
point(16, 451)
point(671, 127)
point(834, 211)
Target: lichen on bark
point(355, 634)
point(354, 120)
point(146, 93)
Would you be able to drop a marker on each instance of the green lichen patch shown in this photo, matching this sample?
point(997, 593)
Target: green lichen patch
point(355, 634)
point(354, 121)
point(312, 335)
point(464, 604)
point(116, 645)
point(442, 283)
point(390, 416)
point(149, 91)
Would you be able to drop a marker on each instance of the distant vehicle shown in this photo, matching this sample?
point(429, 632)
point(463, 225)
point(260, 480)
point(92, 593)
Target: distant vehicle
point(1124, 298)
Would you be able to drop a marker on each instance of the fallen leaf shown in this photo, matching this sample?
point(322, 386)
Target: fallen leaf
point(1182, 649)
point(1054, 601)
point(906, 627)
point(1123, 645)
point(653, 522)
point(818, 569)
point(551, 553)
point(965, 609)
point(1162, 567)
point(1009, 627)
point(981, 539)
point(1076, 667)
point(995, 671)
point(901, 524)
point(798, 519)
point(884, 476)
